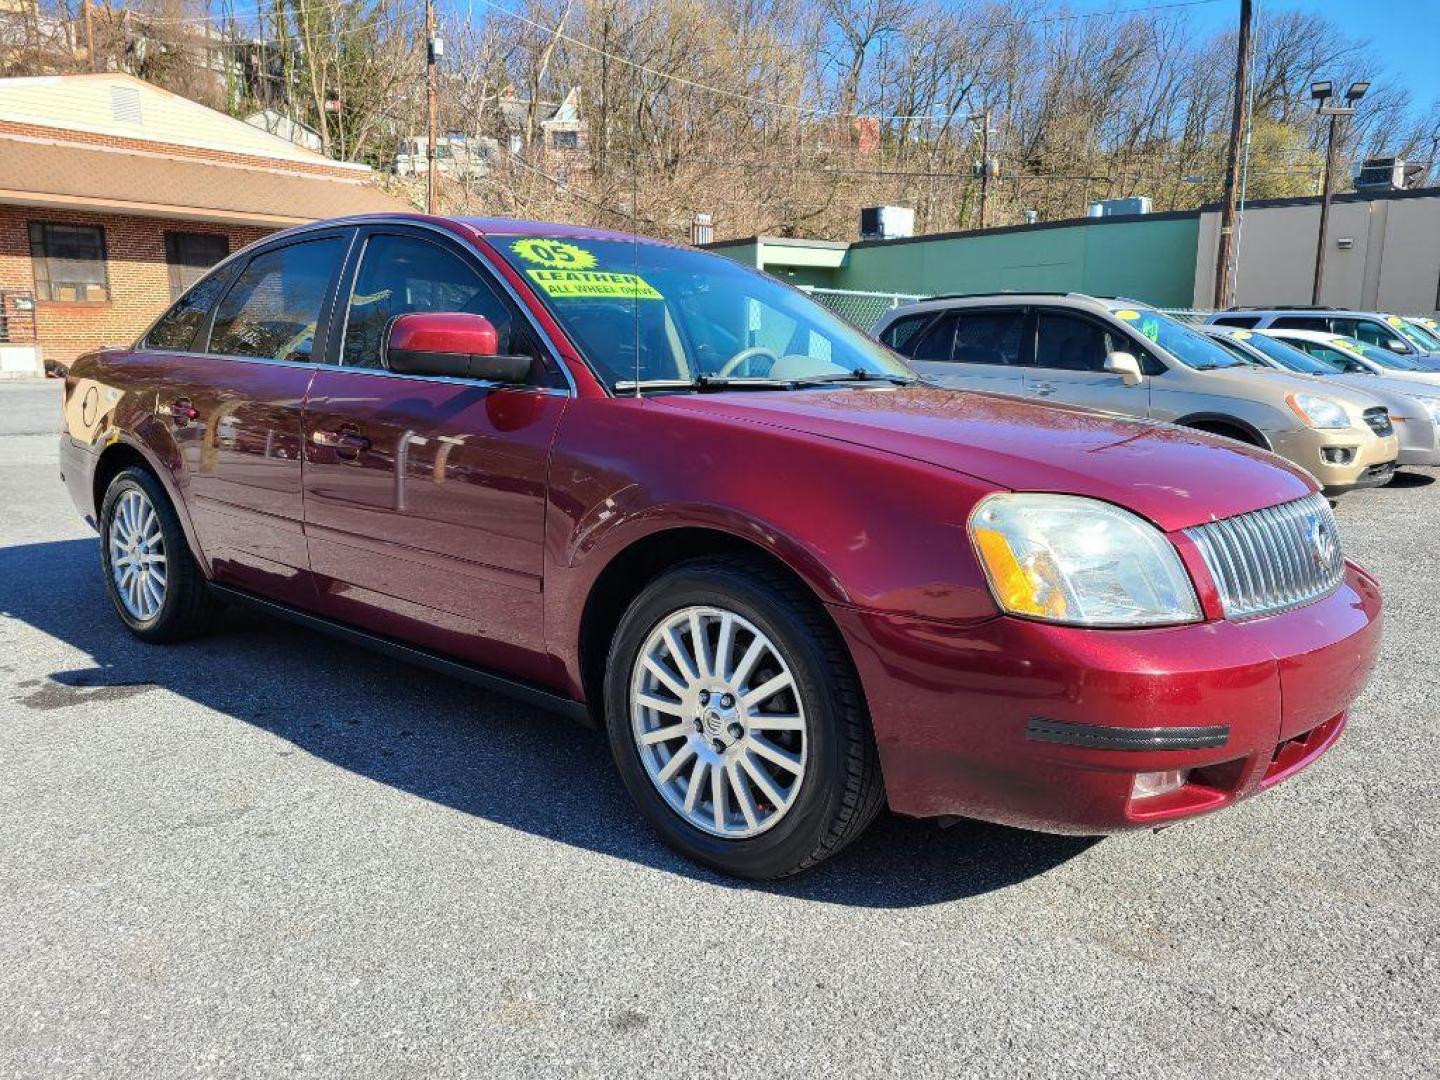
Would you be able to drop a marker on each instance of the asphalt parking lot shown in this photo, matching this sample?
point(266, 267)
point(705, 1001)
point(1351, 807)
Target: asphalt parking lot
point(268, 854)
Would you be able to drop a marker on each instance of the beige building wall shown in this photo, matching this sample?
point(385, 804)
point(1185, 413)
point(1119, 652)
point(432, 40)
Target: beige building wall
point(1382, 254)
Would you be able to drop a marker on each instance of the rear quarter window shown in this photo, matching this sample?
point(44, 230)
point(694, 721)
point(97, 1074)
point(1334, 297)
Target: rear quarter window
point(1244, 322)
point(177, 328)
point(900, 335)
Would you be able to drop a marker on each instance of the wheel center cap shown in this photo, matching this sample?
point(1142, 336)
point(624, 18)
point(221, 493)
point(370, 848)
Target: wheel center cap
point(714, 722)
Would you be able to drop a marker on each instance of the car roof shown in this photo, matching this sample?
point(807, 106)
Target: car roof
point(1304, 335)
point(1318, 312)
point(948, 301)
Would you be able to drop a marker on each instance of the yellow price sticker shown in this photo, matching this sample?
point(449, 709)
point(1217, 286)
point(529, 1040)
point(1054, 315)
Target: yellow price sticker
point(1395, 320)
point(556, 254)
point(1241, 335)
point(583, 284)
point(1127, 315)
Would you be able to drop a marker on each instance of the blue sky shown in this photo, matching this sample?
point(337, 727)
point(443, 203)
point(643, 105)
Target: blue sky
point(1404, 33)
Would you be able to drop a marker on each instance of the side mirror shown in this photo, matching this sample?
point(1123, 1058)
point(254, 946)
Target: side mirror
point(452, 343)
point(1397, 346)
point(1126, 366)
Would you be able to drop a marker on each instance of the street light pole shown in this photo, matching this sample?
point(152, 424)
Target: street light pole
point(1324, 211)
point(1323, 92)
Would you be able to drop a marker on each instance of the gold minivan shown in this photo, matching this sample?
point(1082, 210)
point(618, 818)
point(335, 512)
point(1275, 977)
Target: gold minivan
point(1123, 357)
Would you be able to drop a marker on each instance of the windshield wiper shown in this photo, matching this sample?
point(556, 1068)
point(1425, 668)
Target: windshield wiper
point(858, 375)
point(706, 384)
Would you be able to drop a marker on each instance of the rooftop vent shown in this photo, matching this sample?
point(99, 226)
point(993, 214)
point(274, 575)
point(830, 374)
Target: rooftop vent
point(886, 222)
point(125, 104)
point(1136, 204)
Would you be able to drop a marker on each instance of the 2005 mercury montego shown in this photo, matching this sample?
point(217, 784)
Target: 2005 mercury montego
point(671, 496)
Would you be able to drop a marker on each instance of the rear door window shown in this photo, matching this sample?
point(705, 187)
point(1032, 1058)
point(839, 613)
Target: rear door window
point(991, 337)
point(274, 308)
point(1301, 322)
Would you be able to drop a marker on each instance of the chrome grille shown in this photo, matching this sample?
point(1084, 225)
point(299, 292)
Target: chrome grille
point(1379, 421)
point(1273, 559)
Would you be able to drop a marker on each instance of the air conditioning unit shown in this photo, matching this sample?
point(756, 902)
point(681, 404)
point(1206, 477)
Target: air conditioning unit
point(1387, 174)
point(886, 222)
point(1136, 204)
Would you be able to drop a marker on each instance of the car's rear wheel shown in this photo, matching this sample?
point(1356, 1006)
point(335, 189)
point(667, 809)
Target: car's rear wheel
point(152, 578)
point(736, 720)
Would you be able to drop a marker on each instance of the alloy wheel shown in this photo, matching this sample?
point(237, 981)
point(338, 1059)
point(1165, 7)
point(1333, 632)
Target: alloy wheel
point(137, 555)
point(718, 722)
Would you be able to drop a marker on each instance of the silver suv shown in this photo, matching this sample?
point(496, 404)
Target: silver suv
point(1372, 327)
point(1122, 357)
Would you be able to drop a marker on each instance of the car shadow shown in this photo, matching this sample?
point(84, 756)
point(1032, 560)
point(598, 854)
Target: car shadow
point(448, 742)
point(1403, 479)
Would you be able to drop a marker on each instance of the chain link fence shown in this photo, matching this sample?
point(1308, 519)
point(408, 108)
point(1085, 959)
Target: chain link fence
point(862, 309)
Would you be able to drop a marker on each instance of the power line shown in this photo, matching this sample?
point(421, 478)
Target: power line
point(806, 110)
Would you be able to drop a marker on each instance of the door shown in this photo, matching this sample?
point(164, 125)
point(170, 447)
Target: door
point(1070, 351)
point(425, 496)
point(234, 407)
point(974, 349)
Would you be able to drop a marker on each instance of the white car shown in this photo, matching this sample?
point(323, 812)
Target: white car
point(1372, 358)
point(1413, 412)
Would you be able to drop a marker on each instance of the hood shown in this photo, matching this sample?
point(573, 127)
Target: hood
point(1296, 382)
point(1176, 478)
point(1384, 385)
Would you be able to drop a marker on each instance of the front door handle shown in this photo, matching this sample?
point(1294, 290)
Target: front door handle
point(347, 442)
point(181, 411)
point(1043, 389)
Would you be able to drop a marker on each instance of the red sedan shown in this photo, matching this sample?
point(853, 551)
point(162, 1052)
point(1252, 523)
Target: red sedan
point(675, 498)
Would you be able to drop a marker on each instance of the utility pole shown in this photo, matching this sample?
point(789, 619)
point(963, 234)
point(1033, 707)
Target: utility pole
point(430, 57)
point(1322, 92)
point(984, 166)
point(90, 37)
point(1225, 251)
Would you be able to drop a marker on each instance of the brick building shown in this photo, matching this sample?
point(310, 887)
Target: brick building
point(115, 195)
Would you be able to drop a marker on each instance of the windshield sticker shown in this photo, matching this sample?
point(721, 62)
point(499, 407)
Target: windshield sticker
point(1151, 329)
point(583, 284)
point(1127, 315)
point(1341, 343)
point(556, 254)
point(1395, 320)
point(1241, 335)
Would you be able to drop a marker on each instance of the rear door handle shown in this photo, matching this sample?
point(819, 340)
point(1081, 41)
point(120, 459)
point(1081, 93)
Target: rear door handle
point(347, 442)
point(181, 411)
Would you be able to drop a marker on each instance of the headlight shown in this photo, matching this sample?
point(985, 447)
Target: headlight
point(1432, 406)
point(1066, 559)
point(1319, 412)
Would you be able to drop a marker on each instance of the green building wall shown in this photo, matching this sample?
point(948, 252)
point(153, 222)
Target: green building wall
point(1150, 258)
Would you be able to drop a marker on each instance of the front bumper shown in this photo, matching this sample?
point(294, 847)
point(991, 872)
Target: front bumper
point(1340, 460)
point(1419, 440)
point(998, 720)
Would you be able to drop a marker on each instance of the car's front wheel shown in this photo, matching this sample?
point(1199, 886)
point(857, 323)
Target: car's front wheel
point(153, 580)
point(737, 722)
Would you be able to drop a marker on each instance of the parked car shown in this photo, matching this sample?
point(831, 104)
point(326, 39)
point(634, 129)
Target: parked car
point(672, 496)
point(1372, 358)
point(1125, 358)
point(1414, 414)
point(1375, 328)
point(1428, 329)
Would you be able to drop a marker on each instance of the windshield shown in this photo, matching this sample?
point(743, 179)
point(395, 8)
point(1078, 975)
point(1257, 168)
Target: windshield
point(1231, 344)
point(1289, 357)
point(671, 315)
point(1426, 336)
point(1375, 354)
point(1190, 347)
point(1412, 333)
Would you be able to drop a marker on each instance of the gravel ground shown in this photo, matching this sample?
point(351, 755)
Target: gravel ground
point(267, 854)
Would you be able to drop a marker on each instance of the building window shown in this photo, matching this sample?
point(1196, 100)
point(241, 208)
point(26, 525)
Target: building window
point(566, 140)
point(69, 262)
point(190, 255)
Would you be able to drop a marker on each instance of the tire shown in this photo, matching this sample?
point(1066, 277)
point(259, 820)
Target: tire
point(175, 604)
point(1227, 432)
point(817, 722)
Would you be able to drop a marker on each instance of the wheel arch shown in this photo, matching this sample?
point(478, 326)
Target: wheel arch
point(637, 564)
point(124, 452)
point(1223, 424)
